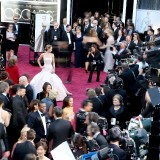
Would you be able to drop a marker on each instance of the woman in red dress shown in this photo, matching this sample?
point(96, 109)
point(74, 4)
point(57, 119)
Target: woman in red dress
point(13, 69)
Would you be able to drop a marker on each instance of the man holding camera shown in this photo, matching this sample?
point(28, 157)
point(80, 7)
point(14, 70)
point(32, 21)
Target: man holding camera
point(121, 54)
point(81, 116)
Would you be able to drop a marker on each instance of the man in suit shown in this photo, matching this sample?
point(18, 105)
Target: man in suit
point(59, 130)
point(54, 34)
point(93, 131)
point(130, 44)
point(22, 149)
point(97, 28)
point(115, 29)
point(38, 121)
point(68, 37)
point(98, 106)
point(130, 85)
point(122, 53)
point(4, 92)
point(62, 26)
point(29, 90)
point(114, 137)
point(86, 27)
point(19, 115)
point(16, 29)
point(53, 37)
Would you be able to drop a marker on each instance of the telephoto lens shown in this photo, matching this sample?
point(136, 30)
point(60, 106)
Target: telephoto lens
point(104, 153)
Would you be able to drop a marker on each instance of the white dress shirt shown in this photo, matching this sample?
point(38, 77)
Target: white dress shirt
point(43, 121)
point(69, 37)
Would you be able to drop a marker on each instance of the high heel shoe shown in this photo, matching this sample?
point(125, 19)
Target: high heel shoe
point(86, 71)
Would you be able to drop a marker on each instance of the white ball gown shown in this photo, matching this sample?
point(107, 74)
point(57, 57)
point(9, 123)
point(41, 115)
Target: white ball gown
point(46, 75)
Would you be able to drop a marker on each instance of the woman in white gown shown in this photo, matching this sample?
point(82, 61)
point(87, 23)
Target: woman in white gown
point(48, 75)
point(108, 58)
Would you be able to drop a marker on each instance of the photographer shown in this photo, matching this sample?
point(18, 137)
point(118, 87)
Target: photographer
point(117, 88)
point(81, 116)
point(95, 55)
point(114, 138)
point(101, 122)
point(113, 151)
point(93, 132)
point(121, 54)
point(130, 85)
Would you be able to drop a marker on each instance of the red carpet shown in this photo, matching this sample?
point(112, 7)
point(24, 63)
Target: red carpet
point(79, 78)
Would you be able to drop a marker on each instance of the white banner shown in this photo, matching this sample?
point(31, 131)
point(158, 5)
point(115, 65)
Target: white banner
point(144, 18)
point(62, 152)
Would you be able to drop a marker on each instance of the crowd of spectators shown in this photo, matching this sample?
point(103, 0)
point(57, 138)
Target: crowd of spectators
point(31, 128)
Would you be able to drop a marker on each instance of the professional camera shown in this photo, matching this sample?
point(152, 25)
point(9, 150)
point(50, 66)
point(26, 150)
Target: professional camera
point(128, 145)
point(105, 153)
point(91, 144)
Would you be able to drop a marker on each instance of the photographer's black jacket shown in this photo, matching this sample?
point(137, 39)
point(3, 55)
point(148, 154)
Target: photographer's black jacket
point(80, 119)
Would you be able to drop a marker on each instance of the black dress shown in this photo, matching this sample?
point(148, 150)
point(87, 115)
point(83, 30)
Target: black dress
point(79, 52)
point(9, 44)
point(120, 115)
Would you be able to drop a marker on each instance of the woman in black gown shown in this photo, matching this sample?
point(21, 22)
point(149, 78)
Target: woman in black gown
point(79, 51)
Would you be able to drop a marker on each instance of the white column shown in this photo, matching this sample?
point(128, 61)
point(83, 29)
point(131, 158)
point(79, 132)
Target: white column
point(58, 10)
point(134, 11)
point(68, 11)
point(124, 11)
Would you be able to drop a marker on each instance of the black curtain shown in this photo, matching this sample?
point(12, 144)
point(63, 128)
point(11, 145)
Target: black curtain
point(149, 4)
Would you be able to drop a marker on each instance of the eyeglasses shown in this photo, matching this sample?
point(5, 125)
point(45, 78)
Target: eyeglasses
point(15, 19)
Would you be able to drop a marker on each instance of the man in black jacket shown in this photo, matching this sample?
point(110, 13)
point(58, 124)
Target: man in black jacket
point(38, 121)
point(94, 132)
point(68, 37)
point(23, 80)
point(60, 130)
point(22, 149)
point(4, 92)
point(81, 116)
point(114, 137)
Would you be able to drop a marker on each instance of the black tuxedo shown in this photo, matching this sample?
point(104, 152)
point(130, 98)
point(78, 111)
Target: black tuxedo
point(22, 149)
point(29, 93)
point(101, 141)
point(116, 33)
point(60, 130)
point(70, 46)
point(86, 30)
point(3, 136)
point(7, 102)
point(99, 32)
point(122, 155)
point(18, 35)
point(131, 46)
point(35, 122)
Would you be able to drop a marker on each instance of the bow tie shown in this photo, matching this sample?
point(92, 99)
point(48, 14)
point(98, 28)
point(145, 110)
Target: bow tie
point(43, 114)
